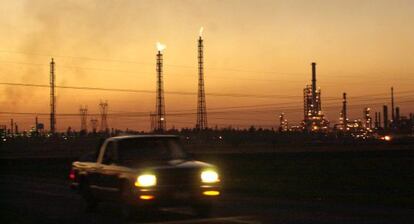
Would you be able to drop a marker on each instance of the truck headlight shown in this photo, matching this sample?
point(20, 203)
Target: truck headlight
point(146, 180)
point(209, 176)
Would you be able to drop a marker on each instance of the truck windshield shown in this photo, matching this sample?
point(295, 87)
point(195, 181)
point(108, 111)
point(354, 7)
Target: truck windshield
point(137, 150)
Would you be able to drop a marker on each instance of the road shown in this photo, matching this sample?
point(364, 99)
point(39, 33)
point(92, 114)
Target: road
point(31, 199)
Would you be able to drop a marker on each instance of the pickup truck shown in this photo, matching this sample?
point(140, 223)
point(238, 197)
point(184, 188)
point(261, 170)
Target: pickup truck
point(145, 171)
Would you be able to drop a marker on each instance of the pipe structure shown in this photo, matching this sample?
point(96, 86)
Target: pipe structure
point(385, 113)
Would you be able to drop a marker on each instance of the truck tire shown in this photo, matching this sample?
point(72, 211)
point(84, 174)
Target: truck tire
point(125, 197)
point(91, 203)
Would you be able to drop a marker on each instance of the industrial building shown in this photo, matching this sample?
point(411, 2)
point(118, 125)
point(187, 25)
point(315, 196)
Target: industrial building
point(314, 119)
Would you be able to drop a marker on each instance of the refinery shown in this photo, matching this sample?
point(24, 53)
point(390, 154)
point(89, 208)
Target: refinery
point(314, 120)
point(207, 111)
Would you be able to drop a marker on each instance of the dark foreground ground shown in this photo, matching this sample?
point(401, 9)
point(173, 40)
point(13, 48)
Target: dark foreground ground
point(340, 187)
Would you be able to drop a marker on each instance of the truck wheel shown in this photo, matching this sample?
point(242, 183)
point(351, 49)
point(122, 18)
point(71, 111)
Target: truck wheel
point(203, 210)
point(126, 207)
point(91, 203)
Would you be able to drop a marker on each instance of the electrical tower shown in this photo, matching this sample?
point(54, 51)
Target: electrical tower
point(103, 107)
point(52, 98)
point(83, 111)
point(160, 106)
point(201, 103)
point(94, 124)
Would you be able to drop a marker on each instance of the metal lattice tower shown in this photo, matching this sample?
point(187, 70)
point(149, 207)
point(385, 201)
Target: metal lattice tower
point(201, 103)
point(103, 107)
point(160, 106)
point(83, 111)
point(94, 124)
point(52, 98)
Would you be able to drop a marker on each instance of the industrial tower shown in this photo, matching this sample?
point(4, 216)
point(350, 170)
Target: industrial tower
point(392, 105)
point(314, 120)
point(36, 125)
point(83, 111)
point(103, 107)
point(368, 118)
point(52, 98)
point(385, 114)
point(344, 114)
point(201, 103)
point(160, 106)
point(283, 123)
point(11, 126)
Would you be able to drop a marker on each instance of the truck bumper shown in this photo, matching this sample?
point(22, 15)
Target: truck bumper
point(166, 197)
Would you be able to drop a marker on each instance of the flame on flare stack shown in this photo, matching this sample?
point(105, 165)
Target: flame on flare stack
point(160, 46)
point(201, 31)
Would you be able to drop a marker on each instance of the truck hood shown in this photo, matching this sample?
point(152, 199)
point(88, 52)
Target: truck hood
point(180, 164)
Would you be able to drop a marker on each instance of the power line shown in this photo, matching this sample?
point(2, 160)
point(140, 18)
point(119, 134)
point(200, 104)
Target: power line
point(279, 106)
point(147, 91)
point(181, 92)
point(145, 114)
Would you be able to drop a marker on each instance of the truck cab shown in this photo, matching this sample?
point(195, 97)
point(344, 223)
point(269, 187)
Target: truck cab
point(143, 171)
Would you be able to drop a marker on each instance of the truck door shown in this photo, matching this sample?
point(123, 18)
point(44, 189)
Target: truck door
point(95, 169)
point(108, 180)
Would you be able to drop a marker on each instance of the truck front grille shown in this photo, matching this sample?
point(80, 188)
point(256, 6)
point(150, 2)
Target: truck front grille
point(178, 177)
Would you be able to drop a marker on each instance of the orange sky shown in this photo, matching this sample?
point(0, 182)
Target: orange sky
point(256, 48)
